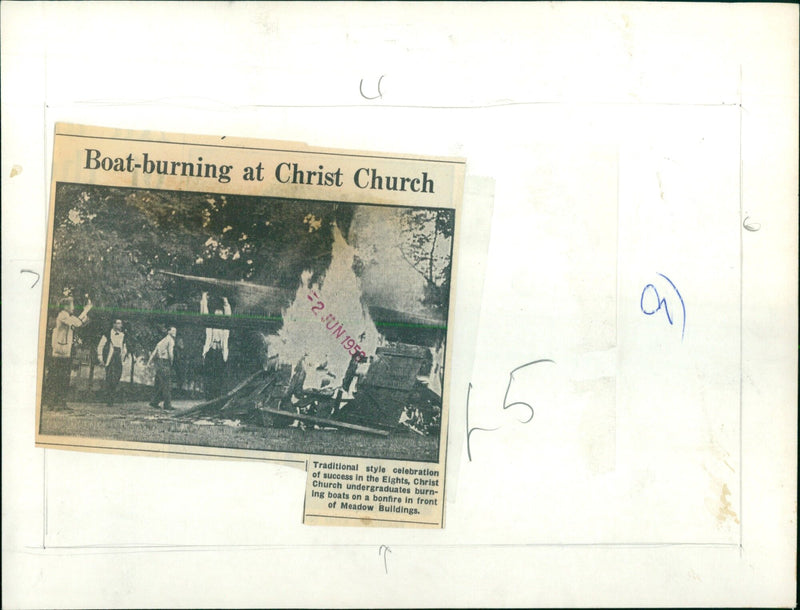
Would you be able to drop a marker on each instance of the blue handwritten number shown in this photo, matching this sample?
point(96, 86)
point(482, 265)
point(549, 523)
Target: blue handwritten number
point(662, 303)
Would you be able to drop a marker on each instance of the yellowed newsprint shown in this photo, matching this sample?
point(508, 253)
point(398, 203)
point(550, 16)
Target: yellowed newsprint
point(212, 296)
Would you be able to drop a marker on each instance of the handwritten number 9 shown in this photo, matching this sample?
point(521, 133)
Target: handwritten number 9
point(661, 303)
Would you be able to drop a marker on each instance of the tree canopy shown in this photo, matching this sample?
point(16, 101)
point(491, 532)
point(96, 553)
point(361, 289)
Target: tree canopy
point(109, 242)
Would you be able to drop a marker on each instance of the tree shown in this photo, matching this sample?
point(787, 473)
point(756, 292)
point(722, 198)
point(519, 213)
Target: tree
point(426, 246)
point(109, 242)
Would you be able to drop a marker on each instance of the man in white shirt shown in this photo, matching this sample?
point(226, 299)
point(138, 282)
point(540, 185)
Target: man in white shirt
point(111, 353)
point(60, 367)
point(215, 349)
point(164, 356)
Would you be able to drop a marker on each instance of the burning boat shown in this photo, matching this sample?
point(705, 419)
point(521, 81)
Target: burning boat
point(331, 357)
point(335, 362)
point(395, 382)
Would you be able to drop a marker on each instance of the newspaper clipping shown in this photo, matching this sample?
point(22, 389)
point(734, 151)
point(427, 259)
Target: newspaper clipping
point(237, 298)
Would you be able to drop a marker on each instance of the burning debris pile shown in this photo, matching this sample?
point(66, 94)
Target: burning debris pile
point(243, 401)
point(329, 367)
point(327, 323)
point(386, 392)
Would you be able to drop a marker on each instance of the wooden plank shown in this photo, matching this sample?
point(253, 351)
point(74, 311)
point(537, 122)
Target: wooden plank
point(208, 403)
point(283, 293)
point(325, 421)
point(250, 396)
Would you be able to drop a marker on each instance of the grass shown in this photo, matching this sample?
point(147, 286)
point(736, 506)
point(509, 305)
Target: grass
point(138, 422)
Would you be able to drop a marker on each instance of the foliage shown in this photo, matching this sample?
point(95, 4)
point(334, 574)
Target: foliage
point(428, 237)
point(109, 242)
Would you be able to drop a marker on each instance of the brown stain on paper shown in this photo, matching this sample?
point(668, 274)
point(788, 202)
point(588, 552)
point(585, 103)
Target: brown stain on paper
point(725, 511)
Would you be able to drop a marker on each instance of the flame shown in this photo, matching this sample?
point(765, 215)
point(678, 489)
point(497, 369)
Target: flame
point(305, 336)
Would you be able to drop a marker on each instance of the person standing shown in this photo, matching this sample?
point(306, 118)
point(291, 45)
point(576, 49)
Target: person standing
point(215, 349)
point(61, 342)
point(164, 356)
point(361, 370)
point(350, 373)
point(111, 353)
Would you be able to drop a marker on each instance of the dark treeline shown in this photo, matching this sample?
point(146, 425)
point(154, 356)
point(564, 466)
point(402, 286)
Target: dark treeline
point(109, 242)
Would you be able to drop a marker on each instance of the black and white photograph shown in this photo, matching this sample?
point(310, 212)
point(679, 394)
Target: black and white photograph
point(247, 322)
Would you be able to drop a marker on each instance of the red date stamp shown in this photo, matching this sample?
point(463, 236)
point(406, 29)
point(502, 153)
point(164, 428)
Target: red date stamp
point(335, 327)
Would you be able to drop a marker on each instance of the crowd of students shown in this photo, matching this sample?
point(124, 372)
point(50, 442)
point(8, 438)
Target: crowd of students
point(113, 349)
